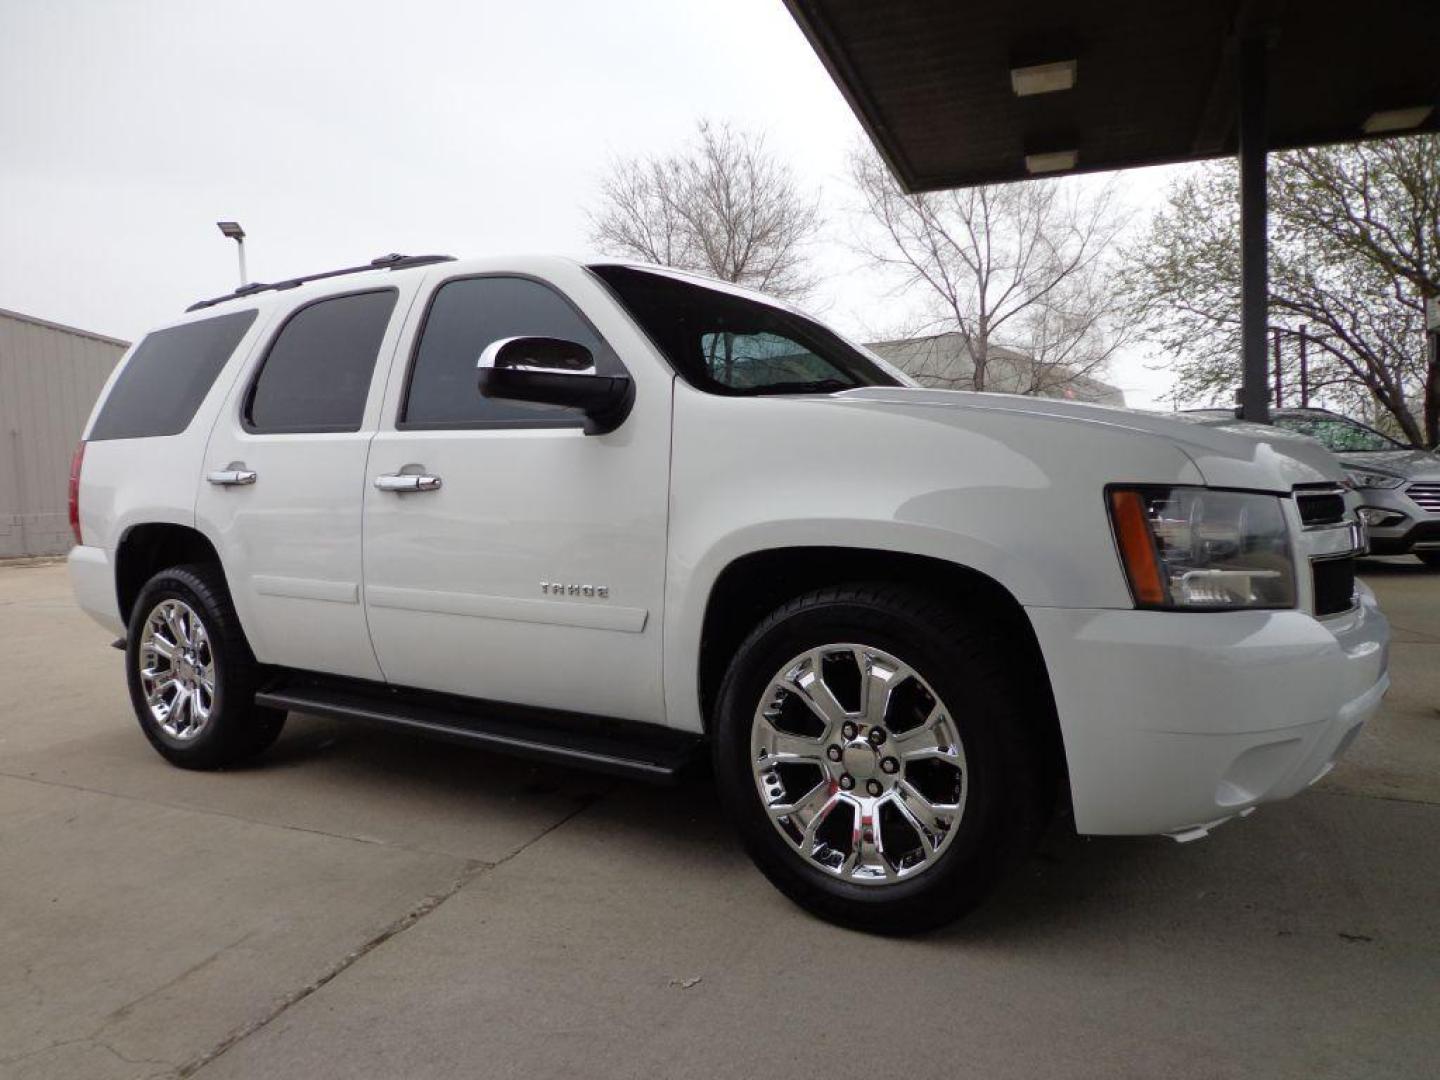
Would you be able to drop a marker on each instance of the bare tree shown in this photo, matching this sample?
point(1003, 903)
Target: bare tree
point(723, 206)
point(1022, 266)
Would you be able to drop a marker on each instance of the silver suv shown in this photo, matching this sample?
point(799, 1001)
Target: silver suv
point(1398, 484)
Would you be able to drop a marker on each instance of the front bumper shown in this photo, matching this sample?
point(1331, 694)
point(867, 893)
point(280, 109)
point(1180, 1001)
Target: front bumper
point(1407, 537)
point(1175, 721)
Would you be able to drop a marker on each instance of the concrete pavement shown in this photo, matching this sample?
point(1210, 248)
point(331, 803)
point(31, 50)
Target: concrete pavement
point(361, 904)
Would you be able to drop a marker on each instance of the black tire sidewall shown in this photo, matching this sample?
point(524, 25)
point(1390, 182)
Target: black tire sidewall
point(980, 705)
point(232, 691)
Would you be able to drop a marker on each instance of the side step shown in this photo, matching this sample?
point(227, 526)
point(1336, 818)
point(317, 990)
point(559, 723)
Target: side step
point(617, 747)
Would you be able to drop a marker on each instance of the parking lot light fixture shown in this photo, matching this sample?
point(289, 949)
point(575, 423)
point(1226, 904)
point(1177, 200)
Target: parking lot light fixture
point(233, 230)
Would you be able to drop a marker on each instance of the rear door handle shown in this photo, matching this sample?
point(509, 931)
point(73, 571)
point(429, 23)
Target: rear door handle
point(231, 477)
point(406, 482)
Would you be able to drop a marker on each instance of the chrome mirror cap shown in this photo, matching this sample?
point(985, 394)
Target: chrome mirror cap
point(540, 355)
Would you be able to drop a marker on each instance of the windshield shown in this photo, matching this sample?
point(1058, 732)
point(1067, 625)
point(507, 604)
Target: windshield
point(729, 344)
point(1339, 434)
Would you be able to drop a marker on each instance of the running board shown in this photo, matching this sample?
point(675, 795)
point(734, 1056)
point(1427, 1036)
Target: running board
point(620, 748)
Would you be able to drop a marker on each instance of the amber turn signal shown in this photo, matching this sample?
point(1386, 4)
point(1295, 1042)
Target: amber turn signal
point(1137, 550)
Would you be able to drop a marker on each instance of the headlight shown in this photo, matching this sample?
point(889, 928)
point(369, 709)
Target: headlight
point(1191, 548)
point(1364, 478)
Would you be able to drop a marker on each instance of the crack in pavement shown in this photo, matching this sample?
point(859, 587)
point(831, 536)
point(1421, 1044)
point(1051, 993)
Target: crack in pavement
point(86, 1040)
point(1377, 795)
point(187, 808)
point(472, 870)
point(116, 1015)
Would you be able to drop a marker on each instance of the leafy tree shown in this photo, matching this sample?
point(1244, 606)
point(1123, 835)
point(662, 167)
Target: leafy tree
point(1354, 252)
point(723, 206)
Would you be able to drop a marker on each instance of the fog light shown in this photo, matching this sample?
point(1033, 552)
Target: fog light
point(1378, 518)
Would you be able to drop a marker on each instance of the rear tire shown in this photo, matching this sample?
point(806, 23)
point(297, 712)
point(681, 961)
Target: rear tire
point(191, 673)
point(914, 859)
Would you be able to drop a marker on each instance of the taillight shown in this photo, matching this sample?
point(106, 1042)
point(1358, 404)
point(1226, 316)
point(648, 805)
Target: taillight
point(75, 462)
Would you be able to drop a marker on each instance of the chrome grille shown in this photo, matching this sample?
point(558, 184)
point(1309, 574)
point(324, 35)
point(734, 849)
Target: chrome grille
point(1426, 495)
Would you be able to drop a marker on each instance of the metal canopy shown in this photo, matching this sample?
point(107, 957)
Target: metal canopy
point(955, 93)
point(1157, 80)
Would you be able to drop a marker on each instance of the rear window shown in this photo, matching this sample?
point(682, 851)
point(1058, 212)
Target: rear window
point(168, 376)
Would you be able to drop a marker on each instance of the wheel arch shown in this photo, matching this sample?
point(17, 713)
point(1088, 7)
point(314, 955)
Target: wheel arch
point(146, 549)
point(754, 584)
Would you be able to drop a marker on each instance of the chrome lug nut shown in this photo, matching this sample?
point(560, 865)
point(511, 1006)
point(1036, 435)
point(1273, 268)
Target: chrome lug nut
point(873, 787)
point(890, 765)
point(847, 781)
point(848, 730)
point(834, 753)
point(877, 736)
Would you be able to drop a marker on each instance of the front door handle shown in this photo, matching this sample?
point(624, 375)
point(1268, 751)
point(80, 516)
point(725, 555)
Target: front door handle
point(406, 482)
point(231, 477)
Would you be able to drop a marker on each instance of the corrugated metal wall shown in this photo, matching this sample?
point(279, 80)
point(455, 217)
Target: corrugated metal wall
point(50, 376)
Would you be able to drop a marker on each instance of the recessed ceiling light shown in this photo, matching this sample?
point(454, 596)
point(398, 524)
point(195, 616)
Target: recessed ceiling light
point(1055, 161)
point(1043, 78)
point(1396, 119)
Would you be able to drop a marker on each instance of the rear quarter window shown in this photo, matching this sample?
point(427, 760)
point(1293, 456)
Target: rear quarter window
point(168, 376)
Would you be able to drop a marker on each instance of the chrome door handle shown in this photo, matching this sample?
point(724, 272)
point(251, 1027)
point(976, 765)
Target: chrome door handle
point(405, 482)
point(231, 477)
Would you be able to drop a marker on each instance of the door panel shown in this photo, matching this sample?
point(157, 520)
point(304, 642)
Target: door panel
point(535, 572)
point(290, 539)
point(456, 578)
point(291, 546)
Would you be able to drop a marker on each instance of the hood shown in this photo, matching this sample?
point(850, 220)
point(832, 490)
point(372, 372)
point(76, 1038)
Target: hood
point(1411, 464)
point(1228, 452)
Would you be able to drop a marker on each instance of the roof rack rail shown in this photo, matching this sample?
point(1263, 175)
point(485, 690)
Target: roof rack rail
point(394, 261)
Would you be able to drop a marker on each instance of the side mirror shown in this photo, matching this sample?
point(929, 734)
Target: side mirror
point(553, 371)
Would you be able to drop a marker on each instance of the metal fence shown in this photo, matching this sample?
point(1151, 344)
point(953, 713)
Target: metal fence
point(50, 376)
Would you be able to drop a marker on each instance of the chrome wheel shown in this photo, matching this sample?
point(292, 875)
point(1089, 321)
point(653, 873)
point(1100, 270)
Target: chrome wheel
point(177, 669)
point(858, 764)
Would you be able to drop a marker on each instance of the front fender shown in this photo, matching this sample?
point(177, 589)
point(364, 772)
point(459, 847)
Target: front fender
point(1018, 498)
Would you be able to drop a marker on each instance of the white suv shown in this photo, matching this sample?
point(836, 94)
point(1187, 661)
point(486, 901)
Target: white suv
point(607, 515)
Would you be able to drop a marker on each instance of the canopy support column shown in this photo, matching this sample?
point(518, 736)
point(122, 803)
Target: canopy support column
point(1254, 270)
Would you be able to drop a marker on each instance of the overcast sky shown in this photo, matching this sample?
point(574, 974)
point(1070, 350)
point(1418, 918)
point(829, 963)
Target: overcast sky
point(335, 132)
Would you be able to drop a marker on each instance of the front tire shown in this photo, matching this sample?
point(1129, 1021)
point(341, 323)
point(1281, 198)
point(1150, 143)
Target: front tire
point(873, 748)
point(191, 673)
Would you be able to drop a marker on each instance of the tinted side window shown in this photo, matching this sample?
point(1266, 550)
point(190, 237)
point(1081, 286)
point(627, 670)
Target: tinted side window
point(317, 373)
point(168, 376)
point(467, 315)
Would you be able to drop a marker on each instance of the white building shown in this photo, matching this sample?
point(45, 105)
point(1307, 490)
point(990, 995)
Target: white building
point(945, 362)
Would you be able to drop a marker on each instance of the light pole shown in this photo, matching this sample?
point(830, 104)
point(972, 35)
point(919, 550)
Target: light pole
point(233, 230)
